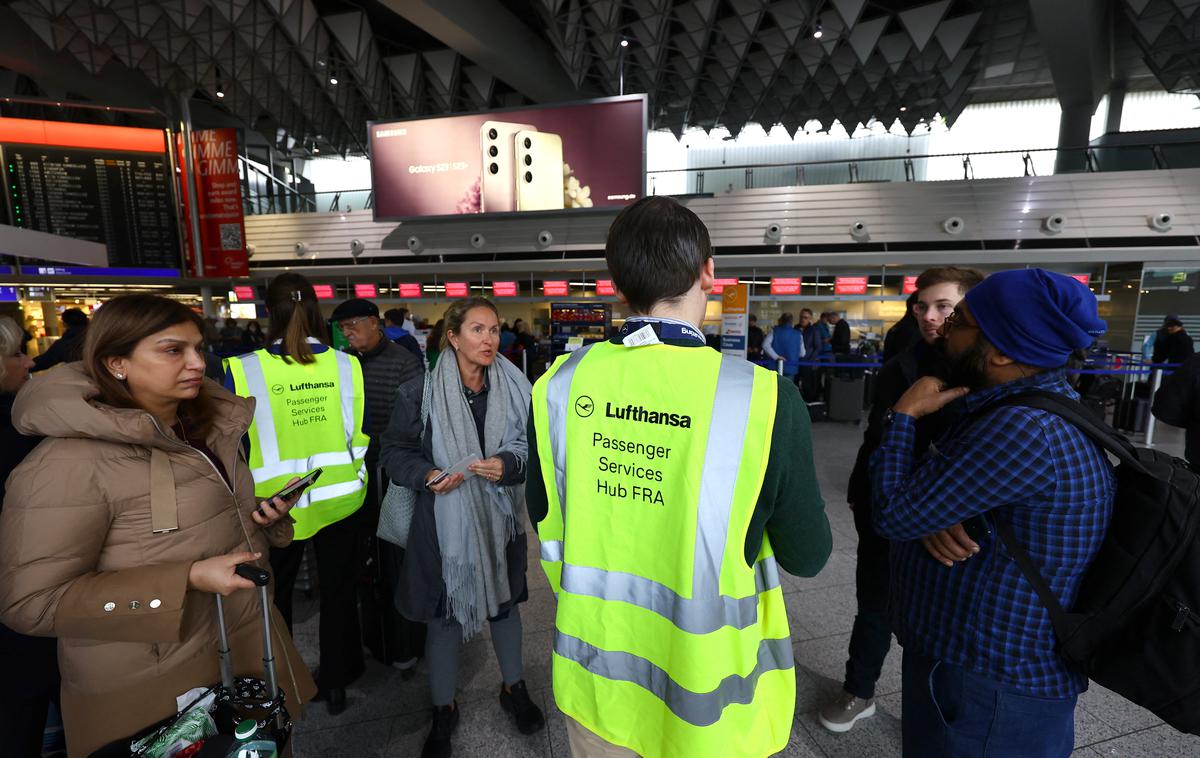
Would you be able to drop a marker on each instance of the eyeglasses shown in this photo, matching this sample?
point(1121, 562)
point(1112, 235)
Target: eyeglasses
point(349, 324)
point(956, 319)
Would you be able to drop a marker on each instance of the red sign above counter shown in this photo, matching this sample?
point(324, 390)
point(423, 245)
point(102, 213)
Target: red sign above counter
point(456, 289)
point(324, 291)
point(604, 288)
point(504, 289)
point(555, 288)
point(410, 290)
point(366, 291)
point(910, 285)
point(719, 285)
point(785, 285)
point(850, 285)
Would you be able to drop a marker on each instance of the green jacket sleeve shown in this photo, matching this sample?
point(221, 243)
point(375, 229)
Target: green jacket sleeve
point(790, 509)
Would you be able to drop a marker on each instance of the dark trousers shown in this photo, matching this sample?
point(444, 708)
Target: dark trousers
point(872, 635)
point(31, 683)
point(339, 558)
point(949, 711)
point(390, 637)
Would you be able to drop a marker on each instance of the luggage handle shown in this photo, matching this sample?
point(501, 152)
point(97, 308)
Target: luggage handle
point(261, 578)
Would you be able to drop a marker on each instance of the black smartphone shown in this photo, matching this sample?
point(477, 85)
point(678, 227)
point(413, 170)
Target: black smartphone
point(977, 528)
point(293, 489)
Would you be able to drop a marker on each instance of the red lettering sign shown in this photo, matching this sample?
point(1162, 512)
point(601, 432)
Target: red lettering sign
point(504, 289)
point(1084, 279)
point(324, 291)
point(785, 285)
point(243, 293)
point(910, 285)
point(456, 289)
point(719, 285)
point(604, 287)
point(555, 288)
point(409, 290)
point(850, 285)
point(366, 290)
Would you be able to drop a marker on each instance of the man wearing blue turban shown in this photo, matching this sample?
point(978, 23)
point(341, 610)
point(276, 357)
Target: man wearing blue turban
point(980, 667)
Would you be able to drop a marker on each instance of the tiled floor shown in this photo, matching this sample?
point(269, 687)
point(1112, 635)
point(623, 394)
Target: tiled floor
point(389, 717)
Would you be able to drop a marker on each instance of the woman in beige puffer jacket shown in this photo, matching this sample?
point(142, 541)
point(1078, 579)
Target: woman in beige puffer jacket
point(125, 579)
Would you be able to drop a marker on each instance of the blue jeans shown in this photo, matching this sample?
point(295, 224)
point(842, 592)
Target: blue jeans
point(951, 712)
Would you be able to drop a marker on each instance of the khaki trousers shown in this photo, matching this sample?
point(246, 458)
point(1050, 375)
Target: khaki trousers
point(585, 743)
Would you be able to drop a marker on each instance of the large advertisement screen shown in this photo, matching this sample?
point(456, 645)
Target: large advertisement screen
point(581, 155)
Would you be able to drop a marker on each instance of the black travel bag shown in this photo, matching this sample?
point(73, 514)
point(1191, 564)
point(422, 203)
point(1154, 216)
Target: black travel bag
point(1135, 625)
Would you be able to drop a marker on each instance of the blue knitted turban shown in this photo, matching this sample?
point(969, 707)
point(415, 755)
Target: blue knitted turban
point(1034, 316)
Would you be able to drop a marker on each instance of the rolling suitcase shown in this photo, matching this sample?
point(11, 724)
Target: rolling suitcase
point(240, 698)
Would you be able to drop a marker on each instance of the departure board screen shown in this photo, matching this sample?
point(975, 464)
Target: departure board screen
point(120, 199)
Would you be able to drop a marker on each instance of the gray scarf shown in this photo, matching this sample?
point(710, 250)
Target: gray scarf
point(477, 520)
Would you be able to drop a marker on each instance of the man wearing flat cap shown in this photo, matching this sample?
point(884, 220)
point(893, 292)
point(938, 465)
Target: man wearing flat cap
point(391, 638)
point(980, 672)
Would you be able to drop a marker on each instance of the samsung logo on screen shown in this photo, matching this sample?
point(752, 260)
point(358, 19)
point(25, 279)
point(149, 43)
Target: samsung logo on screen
point(381, 133)
point(621, 197)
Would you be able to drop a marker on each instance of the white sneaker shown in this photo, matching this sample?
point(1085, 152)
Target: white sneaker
point(840, 715)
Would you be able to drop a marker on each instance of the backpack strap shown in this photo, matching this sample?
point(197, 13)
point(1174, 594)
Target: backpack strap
point(1058, 615)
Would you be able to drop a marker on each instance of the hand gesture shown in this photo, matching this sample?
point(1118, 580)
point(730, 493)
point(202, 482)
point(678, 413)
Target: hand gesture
point(449, 484)
point(928, 395)
point(216, 575)
point(950, 545)
point(270, 511)
point(491, 469)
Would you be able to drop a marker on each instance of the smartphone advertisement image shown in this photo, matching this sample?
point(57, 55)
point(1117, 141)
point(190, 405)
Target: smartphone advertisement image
point(578, 155)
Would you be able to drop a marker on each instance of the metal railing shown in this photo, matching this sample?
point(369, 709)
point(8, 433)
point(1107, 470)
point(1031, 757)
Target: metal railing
point(986, 164)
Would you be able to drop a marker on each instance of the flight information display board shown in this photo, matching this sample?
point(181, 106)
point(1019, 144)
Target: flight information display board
point(120, 199)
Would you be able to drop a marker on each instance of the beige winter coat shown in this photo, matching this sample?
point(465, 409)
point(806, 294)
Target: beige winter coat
point(80, 561)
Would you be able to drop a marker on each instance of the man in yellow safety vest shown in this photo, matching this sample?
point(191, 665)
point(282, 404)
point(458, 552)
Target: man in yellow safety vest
point(669, 484)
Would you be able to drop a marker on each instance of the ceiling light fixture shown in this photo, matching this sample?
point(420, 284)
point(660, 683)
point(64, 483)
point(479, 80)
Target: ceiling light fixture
point(818, 30)
point(220, 91)
point(903, 108)
point(624, 43)
point(333, 80)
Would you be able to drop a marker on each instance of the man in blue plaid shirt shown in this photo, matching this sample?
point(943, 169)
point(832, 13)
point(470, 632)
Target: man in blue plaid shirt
point(980, 669)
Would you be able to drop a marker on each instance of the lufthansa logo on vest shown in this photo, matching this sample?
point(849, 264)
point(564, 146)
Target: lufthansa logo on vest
point(277, 389)
point(584, 406)
point(638, 413)
point(312, 386)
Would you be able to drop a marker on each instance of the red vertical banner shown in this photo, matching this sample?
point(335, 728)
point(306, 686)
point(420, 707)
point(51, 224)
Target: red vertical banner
point(222, 225)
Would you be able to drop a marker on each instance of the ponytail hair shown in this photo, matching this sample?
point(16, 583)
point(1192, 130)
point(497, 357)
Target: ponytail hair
point(295, 317)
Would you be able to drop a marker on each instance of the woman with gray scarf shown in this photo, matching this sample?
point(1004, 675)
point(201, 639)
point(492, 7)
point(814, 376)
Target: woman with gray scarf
point(466, 554)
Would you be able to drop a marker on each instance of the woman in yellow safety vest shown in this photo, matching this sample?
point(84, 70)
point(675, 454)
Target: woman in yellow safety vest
point(309, 415)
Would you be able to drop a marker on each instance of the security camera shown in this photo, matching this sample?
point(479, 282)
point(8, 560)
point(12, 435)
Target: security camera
point(954, 225)
point(545, 238)
point(859, 231)
point(301, 249)
point(478, 240)
point(414, 244)
point(356, 248)
point(1161, 222)
point(250, 251)
point(773, 232)
point(1054, 223)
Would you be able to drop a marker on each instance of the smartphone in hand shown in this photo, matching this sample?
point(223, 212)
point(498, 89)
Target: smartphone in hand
point(290, 491)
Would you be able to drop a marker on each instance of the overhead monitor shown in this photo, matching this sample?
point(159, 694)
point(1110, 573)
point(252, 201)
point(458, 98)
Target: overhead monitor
point(409, 290)
point(456, 289)
point(504, 289)
point(324, 291)
point(850, 285)
point(368, 291)
point(785, 285)
point(575, 156)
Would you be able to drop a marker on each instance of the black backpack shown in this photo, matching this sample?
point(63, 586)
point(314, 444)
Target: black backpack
point(1135, 625)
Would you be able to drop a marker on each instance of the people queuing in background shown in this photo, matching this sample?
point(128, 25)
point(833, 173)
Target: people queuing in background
point(978, 642)
point(754, 339)
point(68, 347)
point(1177, 402)
point(30, 664)
point(252, 336)
point(904, 333)
point(212, 332)
point(1172, 344)
point(785, 342)
point(671, 632)
point(810, 378)
point(839, 340)
point(938, 291)
point(824, 332)
point(309, 413)
point(399, 329)
point(465, 560)
point(390, 637)
point(433, 343)
point(508, 337)
point(120, 526)
point(525, 347)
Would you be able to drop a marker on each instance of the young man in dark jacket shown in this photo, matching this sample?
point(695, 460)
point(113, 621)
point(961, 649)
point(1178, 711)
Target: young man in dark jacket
point(68, 347)
point(938, 291)
point(1172, 344)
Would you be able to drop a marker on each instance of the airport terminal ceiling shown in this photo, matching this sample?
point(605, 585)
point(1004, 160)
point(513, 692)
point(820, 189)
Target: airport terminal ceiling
point(307, 75)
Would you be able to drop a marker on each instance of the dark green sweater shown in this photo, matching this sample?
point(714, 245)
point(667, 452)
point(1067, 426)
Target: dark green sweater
point(789, 509)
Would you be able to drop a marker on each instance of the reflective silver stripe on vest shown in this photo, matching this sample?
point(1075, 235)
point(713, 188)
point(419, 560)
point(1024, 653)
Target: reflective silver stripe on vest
point(558, 395)
point(552, 550)
point(696, 708)
point(256, 387)
point(346, 381)
point(707, 610)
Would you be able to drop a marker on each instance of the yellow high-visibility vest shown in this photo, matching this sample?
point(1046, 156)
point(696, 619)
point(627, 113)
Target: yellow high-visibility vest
point(305, 416)
point(666, 642)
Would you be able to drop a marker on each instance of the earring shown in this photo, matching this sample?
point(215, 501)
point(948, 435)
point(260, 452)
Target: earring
point(120, 377)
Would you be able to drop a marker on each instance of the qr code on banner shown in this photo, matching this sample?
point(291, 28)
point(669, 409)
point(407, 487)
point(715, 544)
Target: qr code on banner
point(231, 237)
